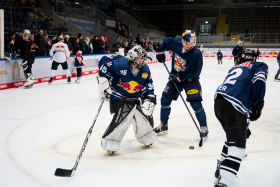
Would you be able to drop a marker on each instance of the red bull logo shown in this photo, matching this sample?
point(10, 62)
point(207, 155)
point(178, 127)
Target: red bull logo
point(179, 63)
point(272, 53)
point(130, 87)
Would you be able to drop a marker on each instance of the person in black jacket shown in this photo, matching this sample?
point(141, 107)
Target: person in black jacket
point(67, 41)
point(76, 46)
point(94, 44)
point(25, 55)
point(100, 45)
point(46, 44)
point(39, 41)
point(82, 43)
point(237, 50)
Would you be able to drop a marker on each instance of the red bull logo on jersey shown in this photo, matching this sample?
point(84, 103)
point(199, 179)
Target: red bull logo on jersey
point(59, 48)
point(130, 87)
point(179, 63)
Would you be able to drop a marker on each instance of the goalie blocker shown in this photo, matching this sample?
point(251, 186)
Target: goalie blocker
point(126, 113)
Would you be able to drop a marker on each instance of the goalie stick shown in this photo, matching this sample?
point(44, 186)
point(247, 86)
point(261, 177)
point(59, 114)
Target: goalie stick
point(70, 172)
point(201, 139)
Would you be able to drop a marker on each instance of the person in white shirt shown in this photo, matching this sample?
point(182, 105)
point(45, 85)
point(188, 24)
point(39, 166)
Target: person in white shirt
point(60, 53)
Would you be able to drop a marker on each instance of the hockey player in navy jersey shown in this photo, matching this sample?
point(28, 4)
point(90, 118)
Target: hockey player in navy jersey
point(185, 71)
point(132, 98)
point(240, 97)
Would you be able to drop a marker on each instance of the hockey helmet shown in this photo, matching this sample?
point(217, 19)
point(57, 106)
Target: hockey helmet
point(219, 50)
point(189, 36)
point(135, 53)
point(26, 33)
point(245, 56)
point(79, 53)
point(239, 42)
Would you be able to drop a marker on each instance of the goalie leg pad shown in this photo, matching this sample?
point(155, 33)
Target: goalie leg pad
point(119, 125)
point(110, 145)
point(143, 129)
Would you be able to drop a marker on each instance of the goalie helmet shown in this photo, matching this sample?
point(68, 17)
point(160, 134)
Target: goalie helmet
point(135, 53)
point(245, 56)
point(189, 36)
point(26, 33)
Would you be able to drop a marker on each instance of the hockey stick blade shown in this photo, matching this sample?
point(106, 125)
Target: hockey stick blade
point(63, 172)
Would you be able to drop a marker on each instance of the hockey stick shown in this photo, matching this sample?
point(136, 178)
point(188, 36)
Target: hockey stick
point(200, 143)
point(70, 172)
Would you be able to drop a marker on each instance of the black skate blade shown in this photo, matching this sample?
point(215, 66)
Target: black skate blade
point(63, 172)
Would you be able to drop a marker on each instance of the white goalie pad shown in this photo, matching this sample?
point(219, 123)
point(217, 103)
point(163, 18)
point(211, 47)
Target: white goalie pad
point(113, 138)
point(103, 84)
point(143, 129)
point(110, 145)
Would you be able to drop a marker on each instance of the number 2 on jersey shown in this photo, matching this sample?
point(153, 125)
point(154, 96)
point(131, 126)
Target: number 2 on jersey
point(231, 77)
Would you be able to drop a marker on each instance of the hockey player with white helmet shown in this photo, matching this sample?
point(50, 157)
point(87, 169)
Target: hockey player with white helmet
point(132, 98)
point(60, 53)
point(186, 67)
point(238, 98)
point(25, 55)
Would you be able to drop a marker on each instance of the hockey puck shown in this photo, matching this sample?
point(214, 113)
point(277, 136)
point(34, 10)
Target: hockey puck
point(191, 147)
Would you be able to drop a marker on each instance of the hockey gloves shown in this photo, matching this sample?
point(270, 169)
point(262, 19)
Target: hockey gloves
point(104, 84)
point(160, 56)
point(256, 112)
point(149, 104)
point(176, 78)
point(248, 133)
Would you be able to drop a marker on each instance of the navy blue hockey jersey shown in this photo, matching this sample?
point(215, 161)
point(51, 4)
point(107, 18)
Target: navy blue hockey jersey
point(124, 84)
point(244, 86)
point(187, 63)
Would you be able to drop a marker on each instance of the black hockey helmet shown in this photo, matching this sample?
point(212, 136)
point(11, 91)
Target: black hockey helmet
point(246, 55)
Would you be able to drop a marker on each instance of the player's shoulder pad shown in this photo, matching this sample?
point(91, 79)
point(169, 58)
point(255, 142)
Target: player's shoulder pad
point(261, 66)
point(121, 64)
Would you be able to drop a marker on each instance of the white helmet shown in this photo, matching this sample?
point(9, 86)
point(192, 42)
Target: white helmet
point(26, 33)
point(137, 52)
point(239, 41)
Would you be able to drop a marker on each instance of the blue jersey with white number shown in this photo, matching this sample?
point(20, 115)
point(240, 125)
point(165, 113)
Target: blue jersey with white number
point(187, 63)
point(244, 86)
point(124, 84)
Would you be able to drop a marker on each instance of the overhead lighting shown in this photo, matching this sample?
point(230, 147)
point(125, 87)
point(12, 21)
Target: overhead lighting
point(77, 3)
point(206, 22)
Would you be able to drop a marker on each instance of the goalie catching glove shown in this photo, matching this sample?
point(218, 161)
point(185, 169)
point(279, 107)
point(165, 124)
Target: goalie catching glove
point(149, 104)
point(104, 84)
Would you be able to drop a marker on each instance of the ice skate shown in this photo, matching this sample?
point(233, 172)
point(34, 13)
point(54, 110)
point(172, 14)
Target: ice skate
point(50, 81)
point(276, 79)
point(218, 184)
point(148, 146)
point(112, 152)
point(69, 80)
point(162, 129)
point(77, 81)
point(29, 81)
point(217, 173)
point(204, 131)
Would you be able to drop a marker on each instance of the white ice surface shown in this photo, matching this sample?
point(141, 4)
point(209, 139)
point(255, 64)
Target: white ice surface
point(43, 128)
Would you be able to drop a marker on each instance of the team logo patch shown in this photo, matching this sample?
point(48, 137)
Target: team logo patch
point(144, 75)
point(109, 64)
point(130, 87)
point(179, 63)
point(193, 91)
